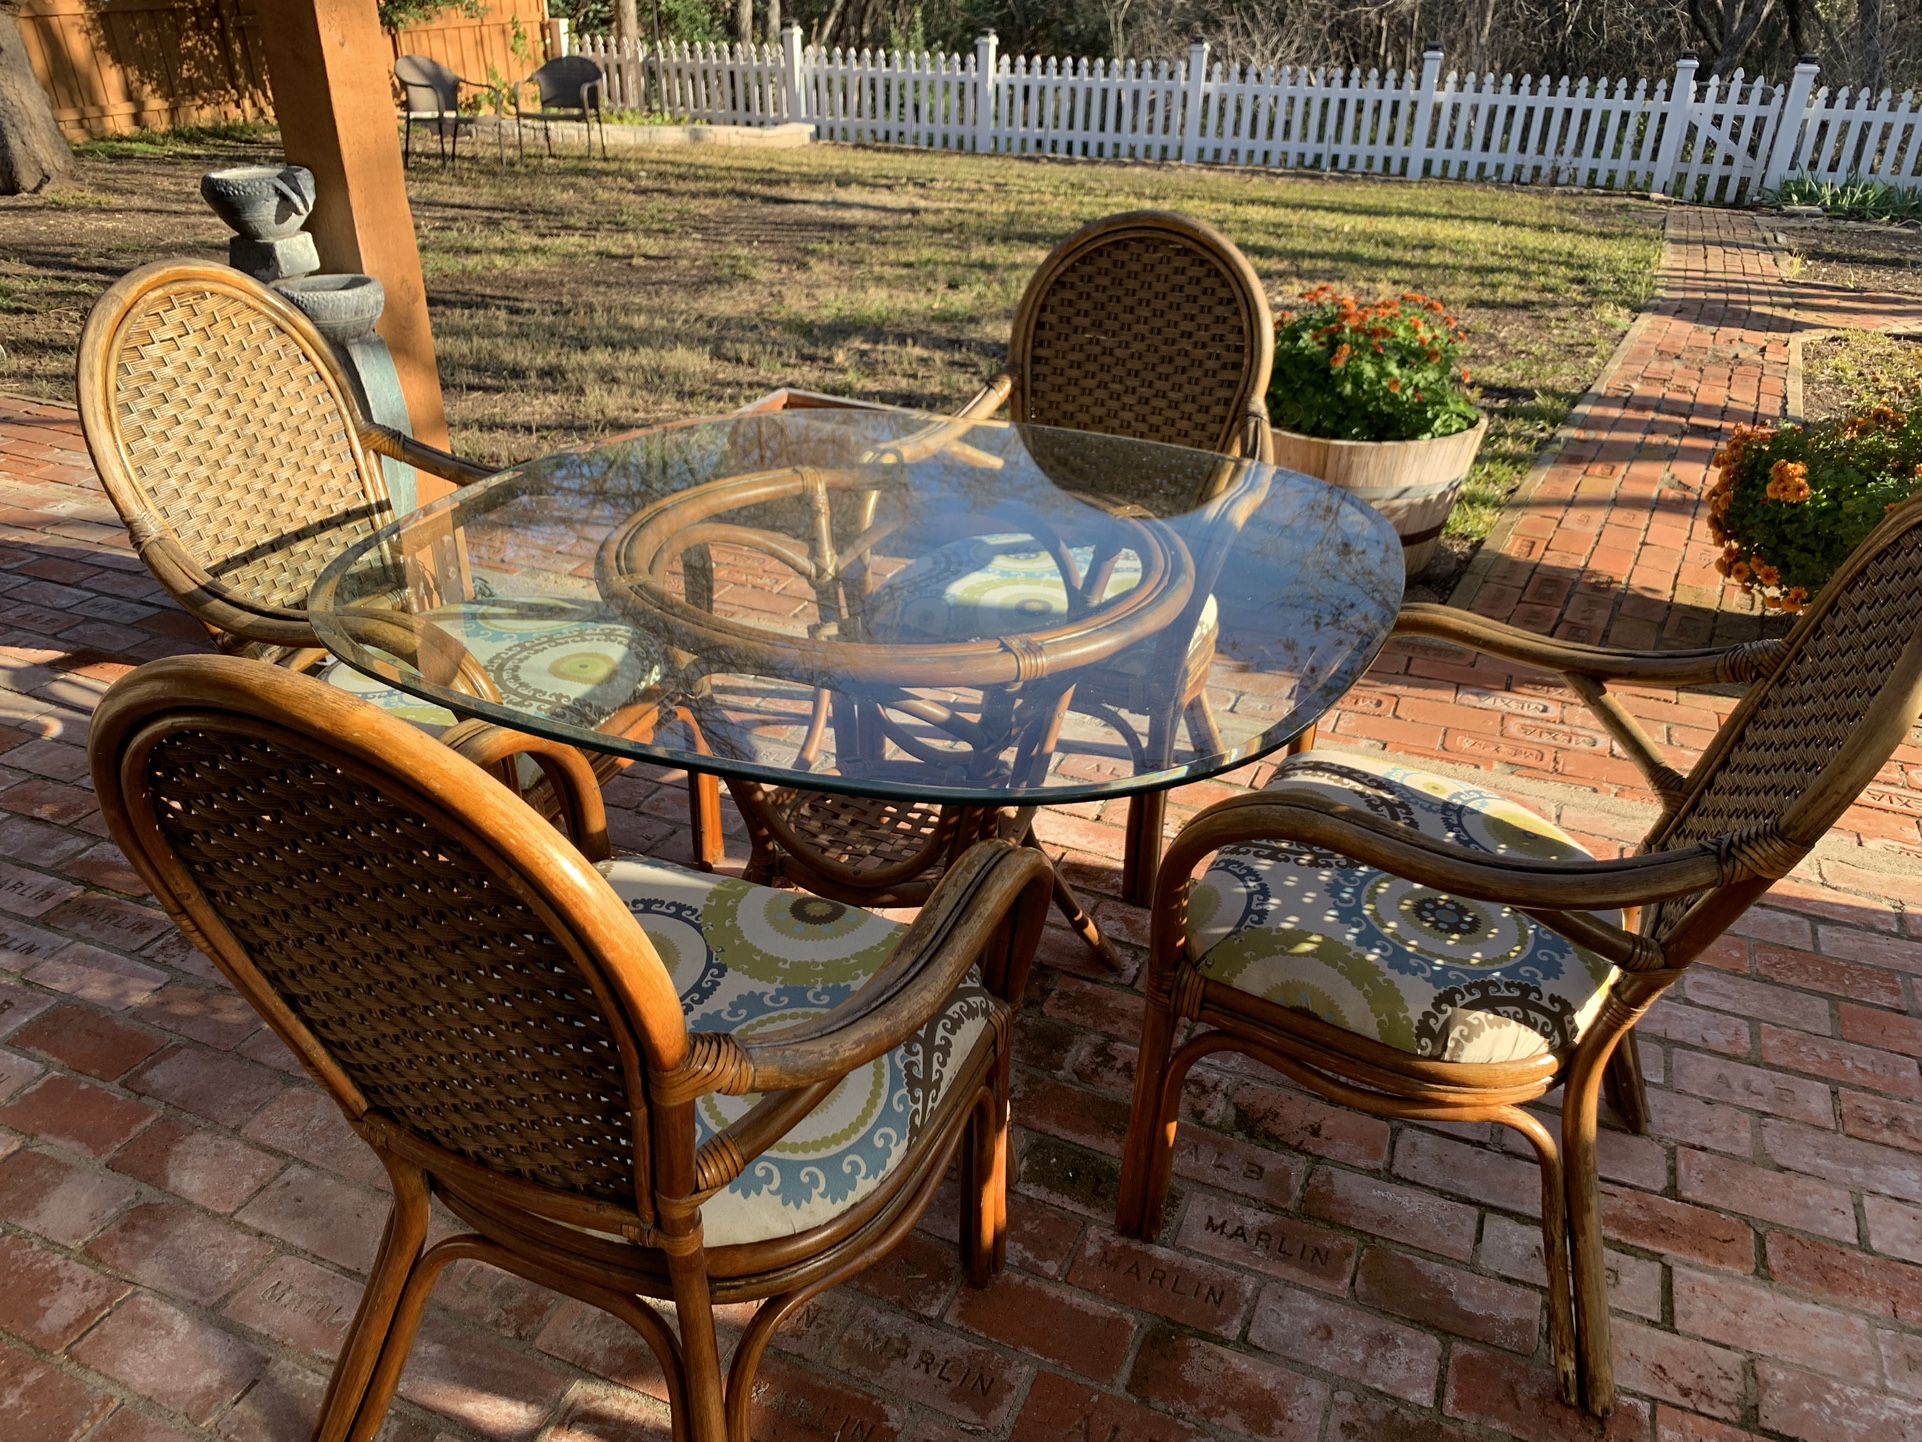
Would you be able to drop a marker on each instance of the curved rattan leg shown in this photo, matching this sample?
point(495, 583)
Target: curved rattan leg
point(400, 1244)
point(1626, 1090)
point(1581, 1105)
point(1147, 1156)
point(1561, 1317)
point(1303, 743)
point(400, 1336)
point(1202, 729)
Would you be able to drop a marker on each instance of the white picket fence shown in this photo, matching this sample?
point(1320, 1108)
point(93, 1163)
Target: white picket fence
point(1720, 140)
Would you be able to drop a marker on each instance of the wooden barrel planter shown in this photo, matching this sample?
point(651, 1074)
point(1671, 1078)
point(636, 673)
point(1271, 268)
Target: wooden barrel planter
point(1412, 483)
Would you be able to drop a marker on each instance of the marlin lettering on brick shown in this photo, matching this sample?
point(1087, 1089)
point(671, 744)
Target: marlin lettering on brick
point(833, 1422)
point(1204, 1156)
point(1272, 1244)
point(1170, 1280)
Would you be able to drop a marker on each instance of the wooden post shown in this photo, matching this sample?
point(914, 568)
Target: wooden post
point(330, 67)
point(1420, 147)
point(793, 86)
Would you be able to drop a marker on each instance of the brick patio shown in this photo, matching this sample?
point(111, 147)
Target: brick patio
point(183, 1218)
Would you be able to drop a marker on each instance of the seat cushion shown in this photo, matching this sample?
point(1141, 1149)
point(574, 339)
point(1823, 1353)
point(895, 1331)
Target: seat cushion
point(1004, 585)
point(568, 659)
point(1420, 970)
point(750, 959)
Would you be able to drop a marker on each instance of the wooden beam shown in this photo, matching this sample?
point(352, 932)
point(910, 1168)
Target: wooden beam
point(330, 66)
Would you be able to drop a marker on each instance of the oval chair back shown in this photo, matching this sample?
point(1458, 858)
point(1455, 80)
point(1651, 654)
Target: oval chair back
point(226, 436)
point(1147, 324)
point(1839, 695)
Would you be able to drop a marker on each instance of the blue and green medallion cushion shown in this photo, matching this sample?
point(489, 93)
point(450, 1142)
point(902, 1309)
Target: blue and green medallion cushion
point(1000, 585)
point(1420, 970)
point(750, 959)
point(568, 659)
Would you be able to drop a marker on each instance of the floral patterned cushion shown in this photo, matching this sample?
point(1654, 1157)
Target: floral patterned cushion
point(568, 658)
point(1385, 958)
point(749, 958)
point(998, 586)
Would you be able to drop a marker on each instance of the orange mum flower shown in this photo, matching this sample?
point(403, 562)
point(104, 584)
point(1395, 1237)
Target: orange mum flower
point(1394, 385)
point(1340, 357)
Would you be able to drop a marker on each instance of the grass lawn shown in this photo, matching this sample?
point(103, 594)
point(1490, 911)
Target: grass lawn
point(576, 297)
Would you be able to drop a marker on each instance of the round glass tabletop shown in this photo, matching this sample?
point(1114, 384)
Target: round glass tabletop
point(879, 603)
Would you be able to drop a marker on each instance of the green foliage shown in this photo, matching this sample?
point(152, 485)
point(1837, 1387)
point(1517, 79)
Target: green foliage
point(1853, 199)
point(1390, 371)
point(1790, 504)
point(398, 14)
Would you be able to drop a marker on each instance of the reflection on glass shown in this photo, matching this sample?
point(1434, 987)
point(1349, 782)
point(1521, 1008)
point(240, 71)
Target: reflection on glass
point(955, 611)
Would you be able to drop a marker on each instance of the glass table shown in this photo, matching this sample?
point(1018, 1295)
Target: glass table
point(876, 624)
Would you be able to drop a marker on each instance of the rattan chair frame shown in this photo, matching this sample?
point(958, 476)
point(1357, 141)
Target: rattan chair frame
point(117, 414)
point(1030, 389)
point(552, 83)
point(618, 1254)
point(1709, 879)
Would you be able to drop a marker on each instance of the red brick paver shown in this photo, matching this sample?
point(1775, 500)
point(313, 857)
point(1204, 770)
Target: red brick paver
point(183, 1218)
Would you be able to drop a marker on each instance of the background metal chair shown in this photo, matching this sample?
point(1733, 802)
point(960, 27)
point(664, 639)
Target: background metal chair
point(430, 95)
point(1421, 948)
point(566, 1056)
point(569, 88)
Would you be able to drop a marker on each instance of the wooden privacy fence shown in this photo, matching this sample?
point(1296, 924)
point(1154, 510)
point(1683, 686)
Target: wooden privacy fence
point(113, 66)
point(1721, 140)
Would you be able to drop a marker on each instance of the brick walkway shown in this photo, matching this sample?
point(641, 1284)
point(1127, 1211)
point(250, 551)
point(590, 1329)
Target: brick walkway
point(183, 1219)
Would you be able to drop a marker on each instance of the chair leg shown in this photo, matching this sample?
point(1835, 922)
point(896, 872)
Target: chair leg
point(1141, 854)
point(367, 1338)
point(984, 1182)
point(1561, 1317)
point(1624, 1086)
point(1082, 924)
point(704, 820)
point(700, 1349)
point(1302, 744)
point(379, 1396)
point(1581, 1105)
point(1147, 1155)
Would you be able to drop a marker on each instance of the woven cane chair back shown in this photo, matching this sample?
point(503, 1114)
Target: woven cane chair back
point(1805, 741)
point(216, 414)
point(1148, 325)
point(398, 908)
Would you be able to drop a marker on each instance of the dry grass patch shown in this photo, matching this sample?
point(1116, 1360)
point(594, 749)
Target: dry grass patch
point(576, 297)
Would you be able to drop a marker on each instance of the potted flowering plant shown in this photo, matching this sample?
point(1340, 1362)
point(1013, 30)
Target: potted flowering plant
point(1791, 503)
point(1371, 398)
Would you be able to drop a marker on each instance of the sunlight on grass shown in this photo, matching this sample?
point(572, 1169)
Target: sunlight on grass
point(573, 297)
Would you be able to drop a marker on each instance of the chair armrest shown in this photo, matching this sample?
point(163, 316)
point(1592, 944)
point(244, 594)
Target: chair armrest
point(578, 809)
point(989, 399)
point(987, 911)
point(595, 86)
point(386, 441)
point(1560, 894)
point(1257, 439)
point(1748, 661)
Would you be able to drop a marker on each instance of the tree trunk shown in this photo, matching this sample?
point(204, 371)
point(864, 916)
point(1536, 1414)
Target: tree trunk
point(774, 22)
point(32, 149)
point(744, 21)
point(1871, 45)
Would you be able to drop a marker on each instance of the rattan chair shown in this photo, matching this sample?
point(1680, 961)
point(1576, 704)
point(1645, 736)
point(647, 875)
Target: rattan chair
point(227, 438)
point(627, 1080)
point(1148, 325)
point(1421, 948)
